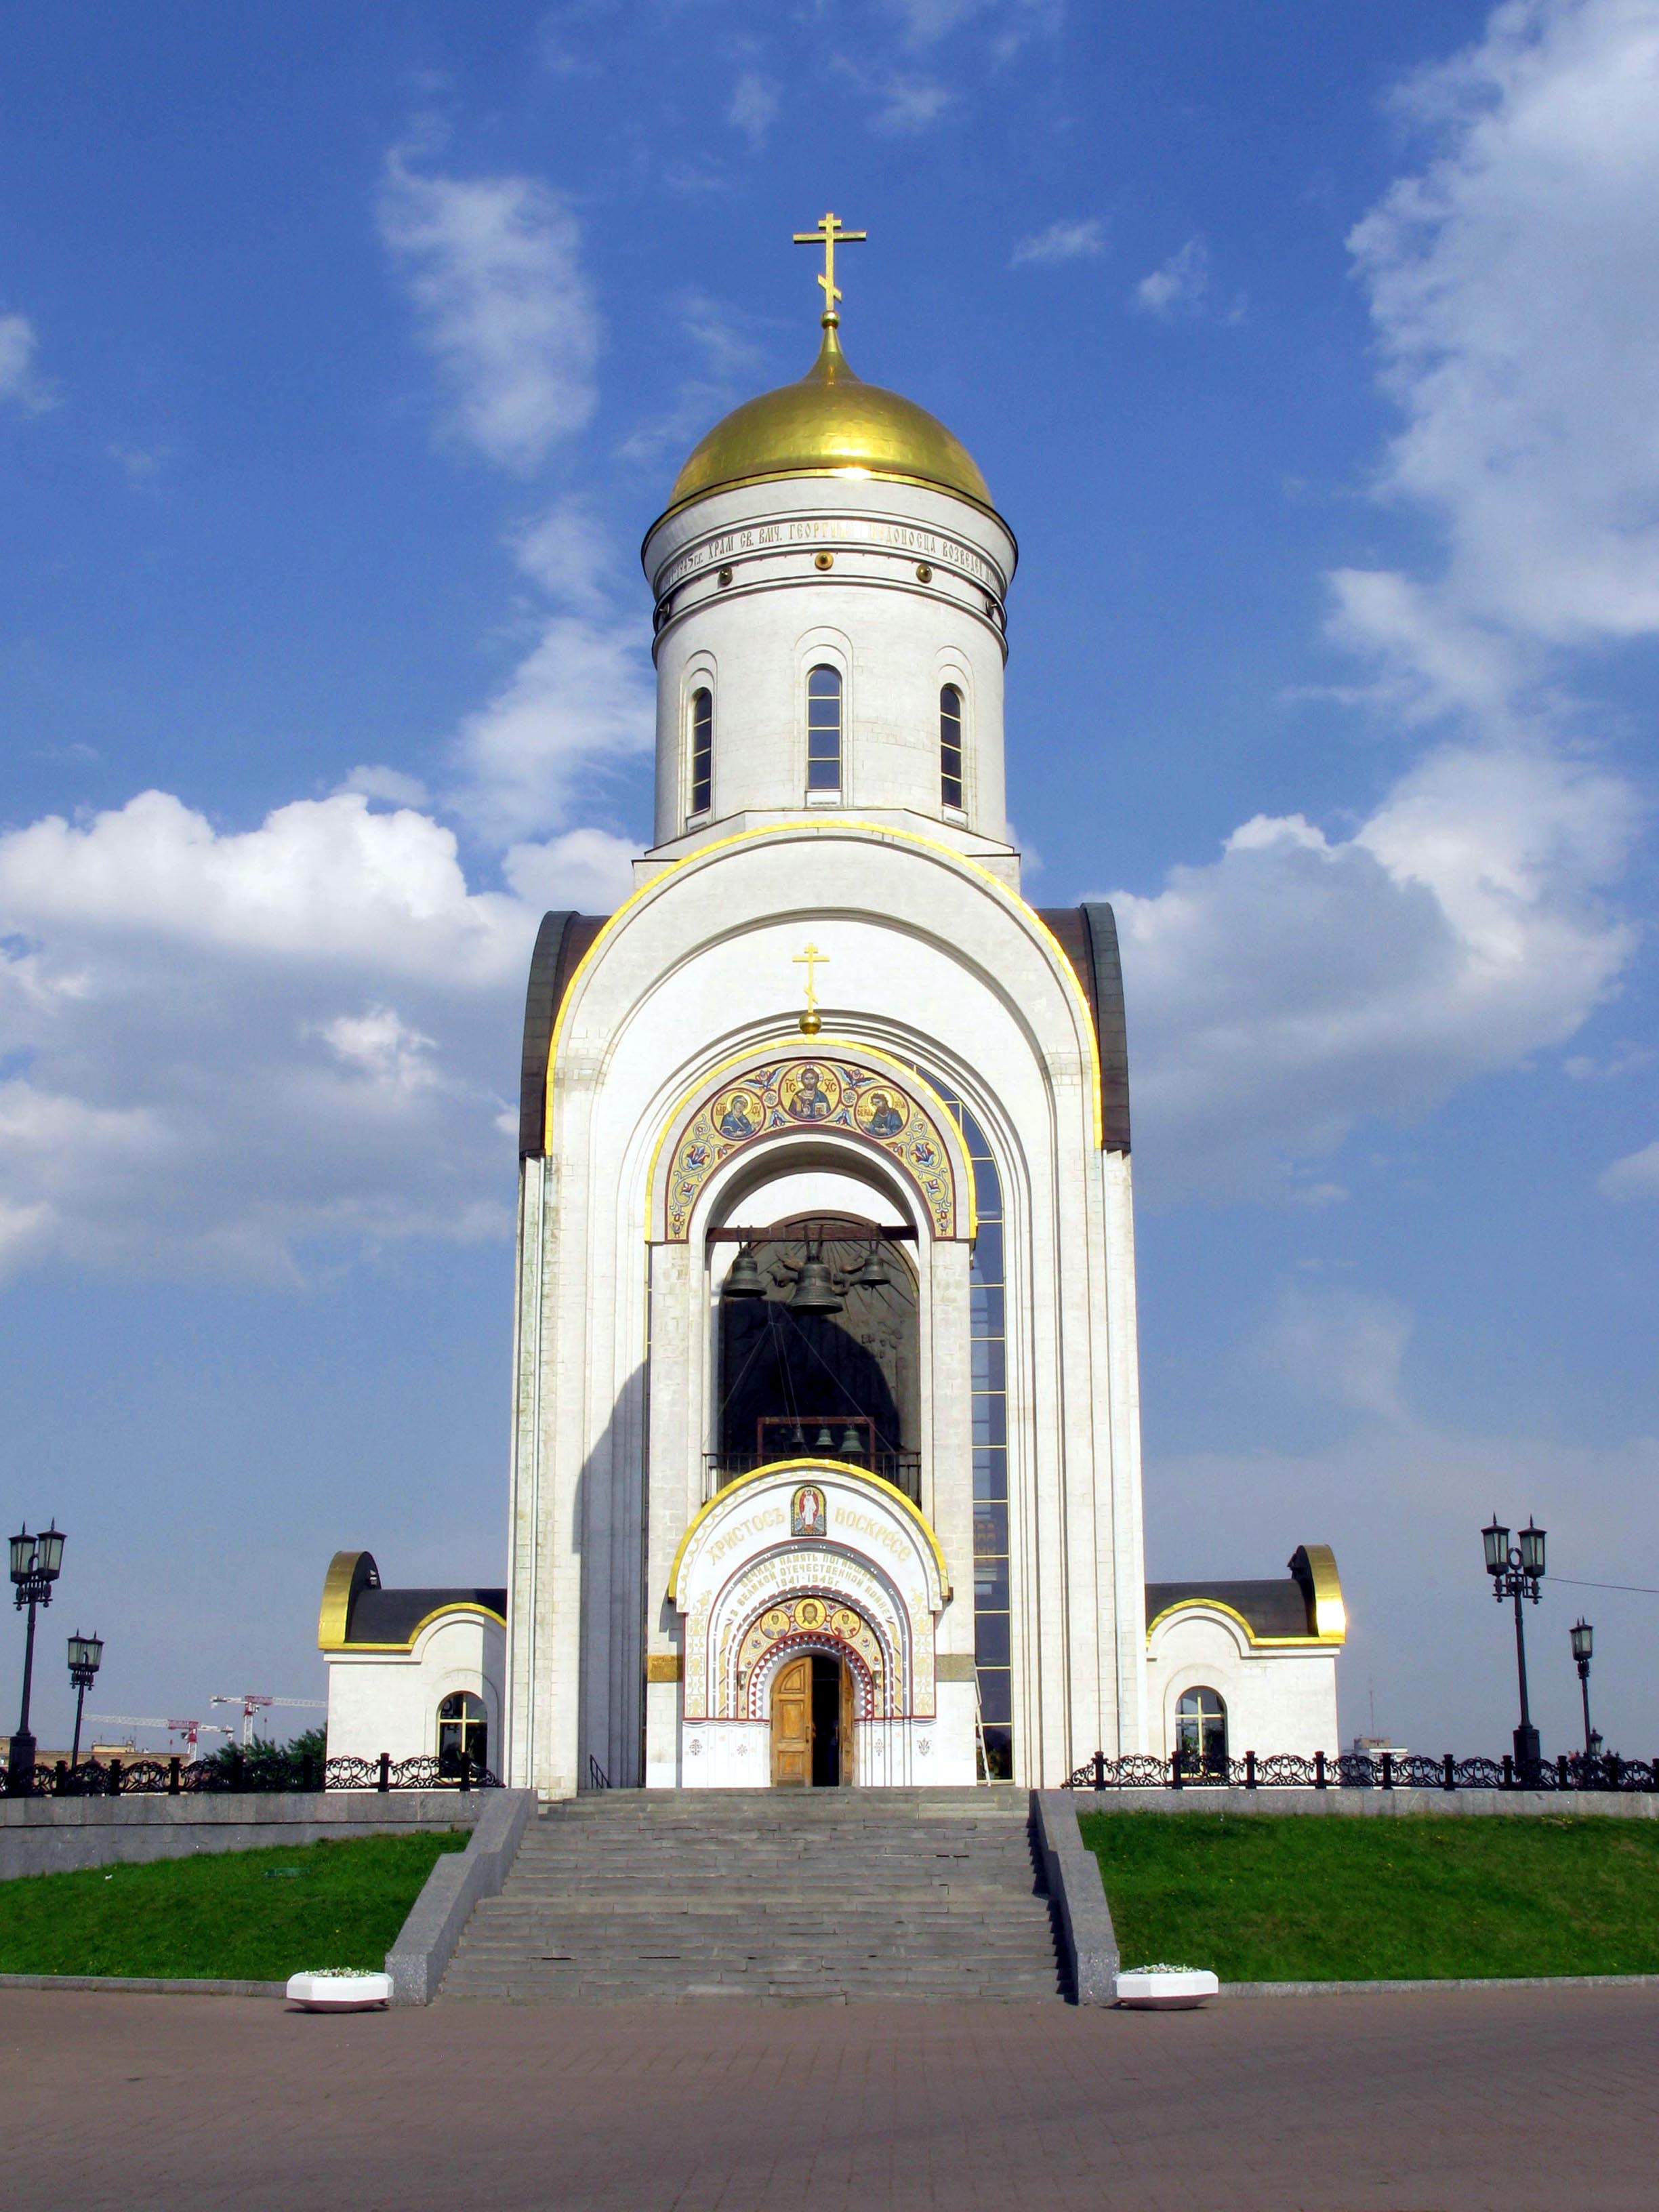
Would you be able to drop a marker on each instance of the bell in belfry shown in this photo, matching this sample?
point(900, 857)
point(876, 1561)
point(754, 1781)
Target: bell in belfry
point(814, 1292)
point(744, 1281)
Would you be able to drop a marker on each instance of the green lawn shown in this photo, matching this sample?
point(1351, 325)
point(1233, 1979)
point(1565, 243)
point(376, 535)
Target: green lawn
point(1264, 1899)
point(229, 1915)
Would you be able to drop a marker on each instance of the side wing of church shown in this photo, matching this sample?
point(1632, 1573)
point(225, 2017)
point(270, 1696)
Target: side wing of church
point(826, 1456)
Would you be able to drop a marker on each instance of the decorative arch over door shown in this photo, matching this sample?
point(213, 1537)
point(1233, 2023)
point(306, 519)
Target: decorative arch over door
point(849, 1092)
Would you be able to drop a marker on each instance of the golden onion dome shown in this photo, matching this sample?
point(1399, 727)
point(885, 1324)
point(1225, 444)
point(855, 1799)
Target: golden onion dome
point(830, 424)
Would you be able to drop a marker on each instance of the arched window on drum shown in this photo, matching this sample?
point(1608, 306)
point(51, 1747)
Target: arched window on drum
point(1202, 1730)
point(463, 1731)
point(823, 730)
point(949, 747)
point(701, 779)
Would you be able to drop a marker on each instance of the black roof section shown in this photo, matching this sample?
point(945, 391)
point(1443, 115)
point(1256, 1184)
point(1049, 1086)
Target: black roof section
point(1087, 935)
point(560, 942)
point(391, 1616)
point(1281, 1608)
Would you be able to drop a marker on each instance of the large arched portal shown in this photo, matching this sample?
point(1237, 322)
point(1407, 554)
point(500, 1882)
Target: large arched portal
point(818, 1350)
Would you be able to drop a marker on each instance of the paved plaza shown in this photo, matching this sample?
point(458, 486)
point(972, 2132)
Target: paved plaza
point(1366, 2104)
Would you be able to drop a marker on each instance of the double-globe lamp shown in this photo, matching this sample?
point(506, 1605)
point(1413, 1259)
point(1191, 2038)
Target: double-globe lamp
point(36, 1563)
point(1517, 1573)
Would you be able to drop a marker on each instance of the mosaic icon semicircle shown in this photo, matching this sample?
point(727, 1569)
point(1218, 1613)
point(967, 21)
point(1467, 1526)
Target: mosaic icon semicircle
point(788, 1093)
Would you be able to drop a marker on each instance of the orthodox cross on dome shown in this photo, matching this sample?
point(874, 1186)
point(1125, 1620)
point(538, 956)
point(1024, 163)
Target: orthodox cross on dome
point(811, 960)
point(830, 232)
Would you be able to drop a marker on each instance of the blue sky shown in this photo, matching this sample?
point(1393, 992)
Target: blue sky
point(344, 358)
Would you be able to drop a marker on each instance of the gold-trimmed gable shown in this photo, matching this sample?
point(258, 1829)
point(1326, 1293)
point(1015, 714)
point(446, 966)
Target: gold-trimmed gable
point(347, 1573)
point(1314, 1566)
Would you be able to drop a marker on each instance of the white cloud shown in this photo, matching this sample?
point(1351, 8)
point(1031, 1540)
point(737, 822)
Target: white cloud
point(493, 265)
point(591, 870)
point(19, 386)
point(1514, 286)
point(382, 1047)
point(1179, 287)
point(906, 105)
point(1637, 1176)
point(1300, 984)
point(728, 361)
point(239, 1051)
point(754, 107)
point(580, 703)
point(925, 22)
point(140, 465)
point(1340, 1346)
point(1075, 240)
point(391, 784)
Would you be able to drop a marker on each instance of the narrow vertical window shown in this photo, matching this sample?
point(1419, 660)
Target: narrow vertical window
point(823, 730)
point(702, 750)
point(950, 746)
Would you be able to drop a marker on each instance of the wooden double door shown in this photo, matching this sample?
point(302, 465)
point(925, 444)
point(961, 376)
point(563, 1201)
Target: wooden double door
point(812, 1723)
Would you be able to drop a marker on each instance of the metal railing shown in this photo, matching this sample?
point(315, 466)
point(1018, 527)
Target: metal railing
point(174, 1776)
point(1187, 1770)
point(901, 1469)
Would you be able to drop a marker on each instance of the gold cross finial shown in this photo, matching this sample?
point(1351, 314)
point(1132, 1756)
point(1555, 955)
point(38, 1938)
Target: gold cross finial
point(830, 231)
point(811, 960)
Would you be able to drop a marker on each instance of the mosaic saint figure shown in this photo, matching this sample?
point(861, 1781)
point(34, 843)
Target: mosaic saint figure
point(808, 1100)
point(738, 1115)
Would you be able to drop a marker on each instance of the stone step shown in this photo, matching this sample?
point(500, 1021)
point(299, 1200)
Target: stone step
point(780, 1897)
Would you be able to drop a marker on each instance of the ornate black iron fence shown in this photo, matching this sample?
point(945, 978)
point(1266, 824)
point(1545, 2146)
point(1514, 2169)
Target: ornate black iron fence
point(179, 1778)
point(1186, 1770)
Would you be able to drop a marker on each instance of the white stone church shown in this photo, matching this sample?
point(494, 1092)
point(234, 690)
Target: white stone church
point(826, 1459)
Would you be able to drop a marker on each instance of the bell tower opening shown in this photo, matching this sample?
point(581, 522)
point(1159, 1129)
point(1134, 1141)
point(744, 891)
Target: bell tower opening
point(818, 1350)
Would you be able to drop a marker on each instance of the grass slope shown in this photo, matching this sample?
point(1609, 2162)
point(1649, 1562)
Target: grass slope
point(228, 1916)
point(1261, 1899)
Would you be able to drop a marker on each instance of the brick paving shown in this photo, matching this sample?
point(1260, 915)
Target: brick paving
point(1511, 2099)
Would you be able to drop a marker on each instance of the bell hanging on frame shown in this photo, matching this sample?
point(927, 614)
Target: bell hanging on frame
point(873, 1274)
point(744, 1279)
point(852, 1442)
point(823, 1442)
point(814, 1292)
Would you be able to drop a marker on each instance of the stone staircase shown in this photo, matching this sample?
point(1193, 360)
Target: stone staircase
point(780, 1895)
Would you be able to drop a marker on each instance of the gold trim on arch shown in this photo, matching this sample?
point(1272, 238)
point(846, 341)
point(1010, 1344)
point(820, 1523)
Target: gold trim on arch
point(824, 1048)
point(790, 1465)
point(1327, 1640)
point(1068, 975)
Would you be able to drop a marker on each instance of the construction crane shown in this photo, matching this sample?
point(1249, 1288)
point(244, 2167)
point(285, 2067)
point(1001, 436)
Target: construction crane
point(252, 1703)
point(189, 1730)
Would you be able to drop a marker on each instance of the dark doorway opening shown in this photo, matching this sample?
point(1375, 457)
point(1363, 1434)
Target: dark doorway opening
point(826, 1721)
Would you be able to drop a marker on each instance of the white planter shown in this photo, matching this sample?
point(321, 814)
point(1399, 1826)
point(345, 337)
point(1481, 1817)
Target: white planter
point(339, 1992)
point(1172, 1990)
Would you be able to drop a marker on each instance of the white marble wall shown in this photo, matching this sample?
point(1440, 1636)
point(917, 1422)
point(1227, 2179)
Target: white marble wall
point(388, 1701)
point(1277, 1699)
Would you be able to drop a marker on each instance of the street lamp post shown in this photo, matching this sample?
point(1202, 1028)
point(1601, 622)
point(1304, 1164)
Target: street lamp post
point(36, 1563)
point(85, 1656)
point(1583, 1643)
point(1517, 1574)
